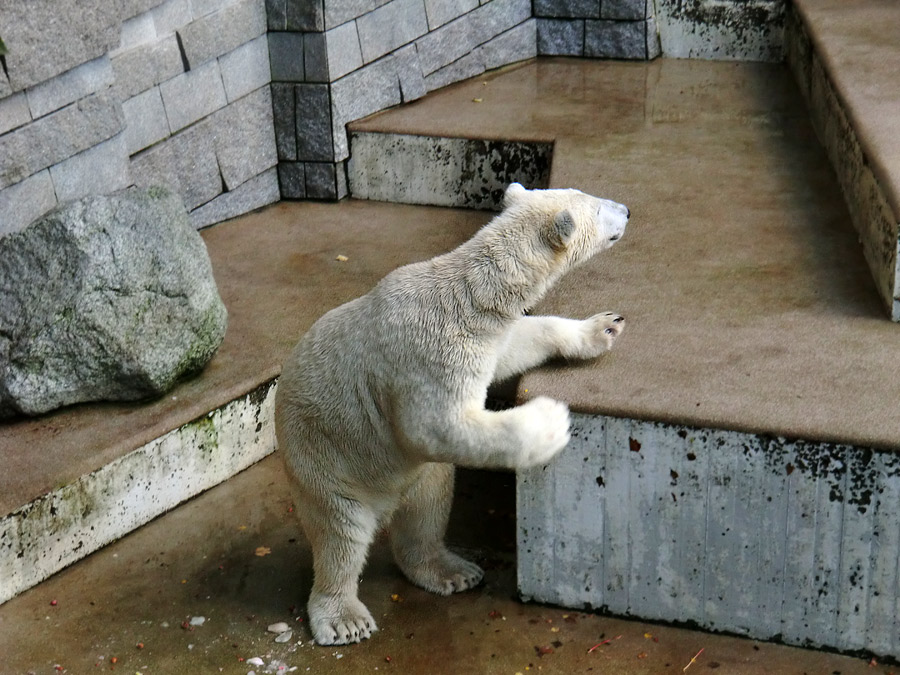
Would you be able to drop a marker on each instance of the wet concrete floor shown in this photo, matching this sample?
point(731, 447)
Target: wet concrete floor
point(236, 557)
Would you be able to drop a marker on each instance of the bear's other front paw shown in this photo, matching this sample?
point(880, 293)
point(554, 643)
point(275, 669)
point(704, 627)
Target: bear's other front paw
point(601, 331)
point(544, 430)
point(339, 621)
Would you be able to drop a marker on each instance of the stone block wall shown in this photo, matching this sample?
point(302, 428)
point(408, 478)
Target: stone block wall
point(606, 29)
point(335, 61)
point(97, 95)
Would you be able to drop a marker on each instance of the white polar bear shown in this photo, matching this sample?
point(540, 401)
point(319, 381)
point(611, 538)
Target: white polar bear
point(385, 394)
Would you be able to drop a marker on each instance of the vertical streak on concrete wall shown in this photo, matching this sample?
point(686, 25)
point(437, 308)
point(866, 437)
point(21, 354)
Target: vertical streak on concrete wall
point(735, 532)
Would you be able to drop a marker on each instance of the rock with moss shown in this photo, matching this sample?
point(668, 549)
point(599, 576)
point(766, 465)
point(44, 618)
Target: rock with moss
point(106, 298)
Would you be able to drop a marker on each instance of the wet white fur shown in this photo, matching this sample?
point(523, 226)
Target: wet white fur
point(385, 394)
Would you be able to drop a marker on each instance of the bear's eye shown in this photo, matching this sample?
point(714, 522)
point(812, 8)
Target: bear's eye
point(615, 237)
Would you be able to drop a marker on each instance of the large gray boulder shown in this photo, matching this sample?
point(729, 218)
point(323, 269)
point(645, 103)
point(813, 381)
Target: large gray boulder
point(106, 298)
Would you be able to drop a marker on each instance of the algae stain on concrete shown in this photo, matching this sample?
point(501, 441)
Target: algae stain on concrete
point(76, 519)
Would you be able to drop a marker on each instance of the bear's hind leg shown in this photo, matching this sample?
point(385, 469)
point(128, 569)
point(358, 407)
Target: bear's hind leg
point(340, 535)
point(417, 535)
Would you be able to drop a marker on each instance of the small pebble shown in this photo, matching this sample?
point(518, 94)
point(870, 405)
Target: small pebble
point(284, 637)
point(255, 661)
point(279, 627)
point(198, 620)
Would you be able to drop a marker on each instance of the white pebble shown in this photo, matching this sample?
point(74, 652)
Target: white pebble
point(279, 627)
point(255, 661)
point(284, 637)
point(198, 620)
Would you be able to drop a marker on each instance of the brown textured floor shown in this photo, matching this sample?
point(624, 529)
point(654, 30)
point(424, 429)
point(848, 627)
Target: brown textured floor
point(236, 557)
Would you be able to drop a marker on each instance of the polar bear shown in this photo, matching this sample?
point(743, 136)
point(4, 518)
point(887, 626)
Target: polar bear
point(385, 394)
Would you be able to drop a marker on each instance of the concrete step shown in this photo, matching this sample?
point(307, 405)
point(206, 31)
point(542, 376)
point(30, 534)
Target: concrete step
point(734, 458)
point(845, 57)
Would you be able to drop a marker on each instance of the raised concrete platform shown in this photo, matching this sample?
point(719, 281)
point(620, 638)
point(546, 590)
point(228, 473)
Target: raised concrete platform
point(734, 462)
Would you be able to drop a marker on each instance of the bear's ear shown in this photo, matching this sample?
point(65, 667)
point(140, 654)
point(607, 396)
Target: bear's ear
point(560, 231)
point(513, 192)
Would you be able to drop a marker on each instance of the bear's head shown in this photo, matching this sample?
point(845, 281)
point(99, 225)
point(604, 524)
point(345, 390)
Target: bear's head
point(538, 237)
point(571, 223)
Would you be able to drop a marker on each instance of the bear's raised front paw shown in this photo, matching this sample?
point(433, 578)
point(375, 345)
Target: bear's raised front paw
point(447, 574)
point(334, 621)
point(601, 332)
point(544, 430)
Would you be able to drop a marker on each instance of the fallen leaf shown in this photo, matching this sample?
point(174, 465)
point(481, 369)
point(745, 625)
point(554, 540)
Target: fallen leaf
point(262, 550)
point(477, 100)
point(542, 651)
point(341, 258)
point(396, 598)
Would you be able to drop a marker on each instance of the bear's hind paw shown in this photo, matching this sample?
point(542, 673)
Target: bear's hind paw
point(446, 575)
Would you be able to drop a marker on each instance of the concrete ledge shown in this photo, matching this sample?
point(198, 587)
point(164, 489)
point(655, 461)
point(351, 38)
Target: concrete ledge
point(847, 76)
point(460, 172)
point(74, 520)
point(760, 536)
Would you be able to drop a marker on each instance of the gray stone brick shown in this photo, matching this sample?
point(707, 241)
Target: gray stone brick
point(5, 88)
point(409, 72)
point(21, 203)
point(445, 45)
point(568, 9)
point(57, 136)
point(340, 179)
point(337, 13)
point(283, 112)
point(516, 44)
point(200, 8)
point(306, 15)
point(314, 138)
point(470, 65)
point(136, 31)
point(193, 95)
point(223, 31)
point(440, 12)
point(496, 17)
point(560, 37)
point(253, 194)
point(292, 180)
point(75, 84)
point(286, 57)
point(629, 10)
point(343, 51)
point(315, 58)
point(132, 8)
point(372, 88)
point(320, 181)
point(244, 138)
point(145, 120)
point(49, 37)
point(185, 163)
point(99, 170)
point(171, 16)
point(276, 15)
point(14, 112)
point(245, 69)
point(140, 68)
point(393, 25)
point(615, 39)
point(654, 48)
